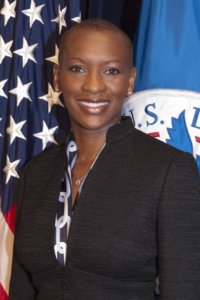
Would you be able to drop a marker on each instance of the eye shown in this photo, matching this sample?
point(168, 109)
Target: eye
point(77, 69)
point(112, 71)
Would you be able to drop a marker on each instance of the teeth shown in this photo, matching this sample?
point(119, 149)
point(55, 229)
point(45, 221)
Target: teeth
point(93, 104)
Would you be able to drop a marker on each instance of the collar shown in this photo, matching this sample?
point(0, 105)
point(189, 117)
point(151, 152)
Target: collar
point(115, 133)
point(119, 131)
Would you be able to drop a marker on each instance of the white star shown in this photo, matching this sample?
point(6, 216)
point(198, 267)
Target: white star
point(52, 98)
point(46, 135)
point(0, 121)
point(15, 130)
point(77, 19)
point(9, 169)
point(60, 18)
point(34, 13)
point(21, 91)
point(4, 49)
point(54, 59)
point(26, 52)
point(2, 83)
point(8, 11)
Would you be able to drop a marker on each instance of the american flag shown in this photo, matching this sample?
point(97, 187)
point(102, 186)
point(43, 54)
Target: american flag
point(31, 113)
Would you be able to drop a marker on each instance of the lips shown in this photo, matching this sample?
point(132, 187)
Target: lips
point(94, 106)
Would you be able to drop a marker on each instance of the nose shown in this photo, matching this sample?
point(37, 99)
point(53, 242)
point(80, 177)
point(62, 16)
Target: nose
point(94, 82)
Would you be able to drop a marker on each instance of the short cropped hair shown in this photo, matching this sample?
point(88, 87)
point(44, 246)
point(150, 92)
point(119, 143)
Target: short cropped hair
point(100, 25)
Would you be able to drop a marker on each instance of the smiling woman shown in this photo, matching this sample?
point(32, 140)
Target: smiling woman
point(102, 215)
point(94, 75)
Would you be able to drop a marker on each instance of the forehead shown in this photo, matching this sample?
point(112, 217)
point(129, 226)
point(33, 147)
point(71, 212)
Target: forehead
point(98, 43)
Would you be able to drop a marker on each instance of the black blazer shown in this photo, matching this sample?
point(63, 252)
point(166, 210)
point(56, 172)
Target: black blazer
point(138, 215)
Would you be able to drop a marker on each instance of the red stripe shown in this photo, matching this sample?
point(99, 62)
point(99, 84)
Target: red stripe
point(197, 139)
point(10, 218)
point(154, 134)
point(3, 295)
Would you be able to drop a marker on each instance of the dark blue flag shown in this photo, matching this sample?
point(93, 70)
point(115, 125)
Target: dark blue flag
point(166, 104)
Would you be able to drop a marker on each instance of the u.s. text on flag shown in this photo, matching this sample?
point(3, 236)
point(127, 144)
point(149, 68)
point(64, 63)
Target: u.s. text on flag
point(31, 112)
point(166, 102)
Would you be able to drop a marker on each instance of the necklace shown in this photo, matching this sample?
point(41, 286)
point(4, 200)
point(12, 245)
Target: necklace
point(78, 181)
point(82, 179)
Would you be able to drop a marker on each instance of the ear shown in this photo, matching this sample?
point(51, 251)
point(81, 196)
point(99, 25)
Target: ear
point(56, 81)
point(131, 81)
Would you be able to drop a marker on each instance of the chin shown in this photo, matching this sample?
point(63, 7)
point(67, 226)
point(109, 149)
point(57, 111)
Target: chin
point(99, 127)
point(95, 123)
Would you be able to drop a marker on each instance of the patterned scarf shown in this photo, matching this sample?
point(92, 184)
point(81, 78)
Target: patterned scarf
point(64, 209)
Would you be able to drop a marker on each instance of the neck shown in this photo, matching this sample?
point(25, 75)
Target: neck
point(88, 143)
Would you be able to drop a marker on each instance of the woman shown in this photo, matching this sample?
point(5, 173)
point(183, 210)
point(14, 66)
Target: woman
point(133, 200)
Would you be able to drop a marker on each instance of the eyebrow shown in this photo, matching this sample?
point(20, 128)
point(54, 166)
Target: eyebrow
point(82, 60)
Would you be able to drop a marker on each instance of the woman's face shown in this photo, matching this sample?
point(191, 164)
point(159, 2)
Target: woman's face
point(94, 77)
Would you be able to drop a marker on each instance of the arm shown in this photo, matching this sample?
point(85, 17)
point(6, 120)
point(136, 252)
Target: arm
point(20, 284)
point(178, 227)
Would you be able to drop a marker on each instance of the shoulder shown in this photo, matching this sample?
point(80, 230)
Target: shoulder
point(153, 151)
point(46, 159)
point(141, 147)
point(126, 133)
point(145, 140)
point(150, 147)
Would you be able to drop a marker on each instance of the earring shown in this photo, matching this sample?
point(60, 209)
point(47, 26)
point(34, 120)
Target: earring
point(129, 93)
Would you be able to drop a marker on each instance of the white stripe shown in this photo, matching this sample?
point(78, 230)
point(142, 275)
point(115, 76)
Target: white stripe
point(6, 246)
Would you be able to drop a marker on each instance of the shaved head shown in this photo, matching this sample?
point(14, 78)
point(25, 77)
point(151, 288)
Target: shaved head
point(98, 25)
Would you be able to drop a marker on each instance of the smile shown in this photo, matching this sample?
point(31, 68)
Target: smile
point(94, 104)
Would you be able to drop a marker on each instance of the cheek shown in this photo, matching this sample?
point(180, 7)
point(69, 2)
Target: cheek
point(120, 89)
point(68, 85)
point(120, 85)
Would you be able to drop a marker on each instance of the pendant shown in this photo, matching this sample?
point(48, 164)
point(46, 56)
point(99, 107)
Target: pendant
point(78, 182)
